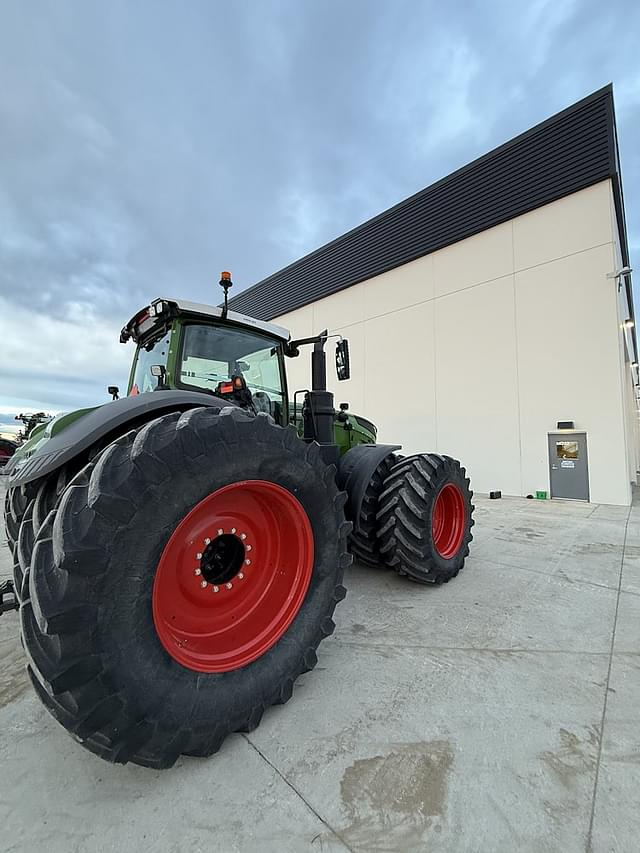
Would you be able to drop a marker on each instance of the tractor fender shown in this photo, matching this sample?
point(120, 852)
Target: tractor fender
point(112, 419)
point(355, 470)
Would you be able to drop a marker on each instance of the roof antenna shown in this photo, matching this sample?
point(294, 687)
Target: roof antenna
point(225, 283)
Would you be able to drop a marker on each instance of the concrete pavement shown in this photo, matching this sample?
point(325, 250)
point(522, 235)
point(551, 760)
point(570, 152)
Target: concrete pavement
point(496, 713)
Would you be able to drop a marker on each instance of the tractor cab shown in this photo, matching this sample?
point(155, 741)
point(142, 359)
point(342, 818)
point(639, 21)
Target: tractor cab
point(192, 347)
point(188, 346)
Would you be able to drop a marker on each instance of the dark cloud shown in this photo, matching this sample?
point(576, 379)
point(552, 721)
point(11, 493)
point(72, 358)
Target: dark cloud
point(147, 145)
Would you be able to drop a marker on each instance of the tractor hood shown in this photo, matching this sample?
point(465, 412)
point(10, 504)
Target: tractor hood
point(162, 311)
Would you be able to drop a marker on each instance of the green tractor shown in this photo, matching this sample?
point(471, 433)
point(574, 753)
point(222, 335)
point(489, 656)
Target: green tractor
point(179, 553)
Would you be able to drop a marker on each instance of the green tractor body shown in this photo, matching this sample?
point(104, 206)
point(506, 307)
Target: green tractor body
point(179, 552)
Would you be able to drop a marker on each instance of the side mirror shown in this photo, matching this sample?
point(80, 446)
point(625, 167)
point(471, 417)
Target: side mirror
point(114, 391)
point(343, 367)
point(160, 372)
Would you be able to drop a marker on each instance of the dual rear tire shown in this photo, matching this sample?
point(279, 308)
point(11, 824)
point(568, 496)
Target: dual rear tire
point(416, 518)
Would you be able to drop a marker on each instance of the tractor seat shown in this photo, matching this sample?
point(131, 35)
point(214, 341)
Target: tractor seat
point(263, 402)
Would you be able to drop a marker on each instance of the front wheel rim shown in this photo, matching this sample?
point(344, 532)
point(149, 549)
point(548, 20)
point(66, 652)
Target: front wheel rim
point(233, 576)
point(448, 520)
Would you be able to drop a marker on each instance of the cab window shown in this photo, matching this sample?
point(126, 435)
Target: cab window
point(214, 354)
point(154, 352)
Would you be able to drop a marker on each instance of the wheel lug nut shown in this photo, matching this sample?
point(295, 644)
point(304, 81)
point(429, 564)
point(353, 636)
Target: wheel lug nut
point(198, 556)
point(247, 562)
point(228, 585)
point(216, 588)
point(240, 575)
point(243, 535)
point(207, 541)
point(203, 584)
point(198, 571)
point(249, 547)
point(233, 530)
point(220, 531)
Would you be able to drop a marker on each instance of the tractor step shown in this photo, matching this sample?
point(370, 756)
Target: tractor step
point(7, 590)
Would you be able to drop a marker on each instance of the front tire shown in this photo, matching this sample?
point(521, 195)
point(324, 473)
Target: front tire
point(99, 658)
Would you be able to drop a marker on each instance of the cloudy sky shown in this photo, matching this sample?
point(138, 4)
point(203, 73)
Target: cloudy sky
point(145, 146)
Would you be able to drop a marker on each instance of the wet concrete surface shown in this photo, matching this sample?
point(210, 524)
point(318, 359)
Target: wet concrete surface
point(496, 713)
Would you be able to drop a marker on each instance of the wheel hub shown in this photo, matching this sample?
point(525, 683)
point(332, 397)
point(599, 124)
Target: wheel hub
point(222, 559)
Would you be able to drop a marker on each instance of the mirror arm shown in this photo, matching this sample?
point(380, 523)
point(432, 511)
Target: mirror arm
point(322, 337)
point(292, 348)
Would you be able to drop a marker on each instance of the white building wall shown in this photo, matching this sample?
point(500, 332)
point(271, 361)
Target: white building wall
point(477, 350)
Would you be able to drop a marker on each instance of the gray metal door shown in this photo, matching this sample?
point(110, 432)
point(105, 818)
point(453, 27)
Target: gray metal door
point(568, 466)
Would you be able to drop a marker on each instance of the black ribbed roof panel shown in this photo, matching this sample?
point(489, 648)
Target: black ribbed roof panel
point(570, 151)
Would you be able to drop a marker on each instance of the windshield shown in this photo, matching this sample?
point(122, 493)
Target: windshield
point(213, 354)
point(155, 352)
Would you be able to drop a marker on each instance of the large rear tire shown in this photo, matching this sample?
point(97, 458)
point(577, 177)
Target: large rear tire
point(425, 518)
point(130, 575)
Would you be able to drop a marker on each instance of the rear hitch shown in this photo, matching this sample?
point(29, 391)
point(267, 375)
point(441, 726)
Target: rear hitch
point(7, 590)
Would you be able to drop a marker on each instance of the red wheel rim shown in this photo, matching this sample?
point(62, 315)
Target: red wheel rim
point(448, 520)
point(233, 576)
